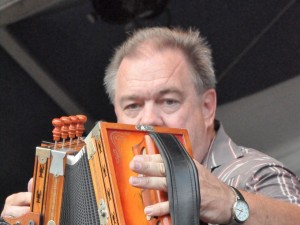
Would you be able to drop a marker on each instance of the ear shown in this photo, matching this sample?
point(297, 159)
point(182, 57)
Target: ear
point(209, 104)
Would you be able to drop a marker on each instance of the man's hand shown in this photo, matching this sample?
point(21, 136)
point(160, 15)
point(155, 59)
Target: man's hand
point(152, 169)
point(216, 197)
point(18, 204)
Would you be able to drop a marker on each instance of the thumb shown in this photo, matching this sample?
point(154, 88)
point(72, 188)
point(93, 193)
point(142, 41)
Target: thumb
point(29, 186)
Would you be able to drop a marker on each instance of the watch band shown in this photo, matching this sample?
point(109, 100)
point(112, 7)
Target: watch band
point(237, 193)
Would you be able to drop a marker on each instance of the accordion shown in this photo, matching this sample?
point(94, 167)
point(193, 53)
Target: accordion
point(86, 181)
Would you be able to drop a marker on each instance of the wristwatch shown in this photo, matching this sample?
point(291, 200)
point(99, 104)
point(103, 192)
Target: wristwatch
point(240, 208)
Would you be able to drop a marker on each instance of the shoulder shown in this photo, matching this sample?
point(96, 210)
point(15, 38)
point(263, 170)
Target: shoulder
point(248, 163)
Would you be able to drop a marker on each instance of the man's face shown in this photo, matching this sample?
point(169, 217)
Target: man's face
point(156, 88)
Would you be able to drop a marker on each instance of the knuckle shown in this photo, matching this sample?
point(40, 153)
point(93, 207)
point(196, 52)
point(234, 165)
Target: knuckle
point(146, 167)
point(10, 199)
point(145, 180)
point(164, 185)
point(159, 209)
point(150, 158)
point(162, 169)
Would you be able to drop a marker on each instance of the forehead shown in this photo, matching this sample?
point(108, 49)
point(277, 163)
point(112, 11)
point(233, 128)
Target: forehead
point(153, 67)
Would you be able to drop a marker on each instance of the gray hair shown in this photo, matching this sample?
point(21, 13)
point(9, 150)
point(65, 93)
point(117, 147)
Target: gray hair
point(190, 42)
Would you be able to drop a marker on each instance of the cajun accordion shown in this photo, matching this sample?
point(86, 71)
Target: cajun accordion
point(86, 181)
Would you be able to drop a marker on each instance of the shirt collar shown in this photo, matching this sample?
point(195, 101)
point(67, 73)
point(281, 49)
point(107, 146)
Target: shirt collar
point(222, 149)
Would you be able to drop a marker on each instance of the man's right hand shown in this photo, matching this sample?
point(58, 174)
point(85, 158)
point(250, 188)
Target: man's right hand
point(18, 204)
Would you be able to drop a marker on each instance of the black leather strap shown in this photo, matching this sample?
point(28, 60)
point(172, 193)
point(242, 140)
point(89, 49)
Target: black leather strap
point(182, 180)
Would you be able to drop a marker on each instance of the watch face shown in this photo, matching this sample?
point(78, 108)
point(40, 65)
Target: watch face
point(241, 211)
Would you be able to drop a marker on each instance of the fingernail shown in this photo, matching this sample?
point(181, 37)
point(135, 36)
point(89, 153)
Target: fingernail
point(134, 180)
point(137, 165)
point(148, 210)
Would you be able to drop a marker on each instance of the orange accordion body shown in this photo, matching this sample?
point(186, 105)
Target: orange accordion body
point(88, 182)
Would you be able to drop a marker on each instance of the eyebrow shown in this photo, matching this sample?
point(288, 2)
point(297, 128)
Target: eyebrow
point(160, 93)
point(125, 98)
point(169, 90)
point(129, 97)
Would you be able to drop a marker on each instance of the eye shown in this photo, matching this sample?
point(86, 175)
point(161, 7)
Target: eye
point(170, 105)
point(132, 109)
point(132, 106)
point(170, 102)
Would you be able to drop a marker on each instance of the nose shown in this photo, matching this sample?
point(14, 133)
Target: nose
point(151, 116)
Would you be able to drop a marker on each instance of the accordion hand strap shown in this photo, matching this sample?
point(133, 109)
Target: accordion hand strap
point(182, 180)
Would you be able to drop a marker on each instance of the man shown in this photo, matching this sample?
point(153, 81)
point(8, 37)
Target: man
point(165, 77)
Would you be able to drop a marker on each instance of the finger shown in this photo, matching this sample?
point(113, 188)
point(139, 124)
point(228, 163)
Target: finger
point(147, 168)
point(158, 183)
point(17, 204)
point(149, 158)
point(19, 199)
point(198, 165)
point(30, 185)
point(15, 211)
point(158, 209)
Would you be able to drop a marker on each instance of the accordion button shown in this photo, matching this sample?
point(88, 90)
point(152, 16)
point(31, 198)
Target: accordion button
point(51, 222)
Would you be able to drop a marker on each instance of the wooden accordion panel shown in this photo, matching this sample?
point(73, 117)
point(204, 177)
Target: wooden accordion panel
point(109, 148)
